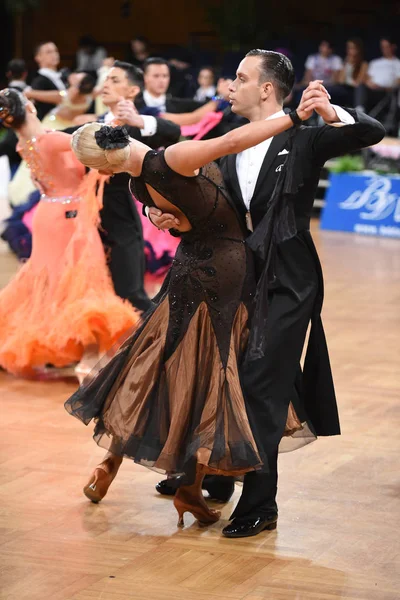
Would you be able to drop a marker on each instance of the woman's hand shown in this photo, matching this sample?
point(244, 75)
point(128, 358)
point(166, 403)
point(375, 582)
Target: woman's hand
point(162, 220)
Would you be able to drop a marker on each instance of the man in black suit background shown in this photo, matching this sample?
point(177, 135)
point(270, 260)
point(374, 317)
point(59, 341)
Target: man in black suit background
point(155, 95)
point(120, 222)
point(48, 78)
point(260, 181)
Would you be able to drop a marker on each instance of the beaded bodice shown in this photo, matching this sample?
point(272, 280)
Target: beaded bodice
point(56, 172)
point(212, 263)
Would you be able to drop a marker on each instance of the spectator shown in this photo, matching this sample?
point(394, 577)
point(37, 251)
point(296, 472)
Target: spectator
point(17, 74)
point(379, 96)
point(90, 56)
point(182, 83)
point(325, 65)
point(206, 81)
point(384, 72)
point(138, 51)
point(354, 72)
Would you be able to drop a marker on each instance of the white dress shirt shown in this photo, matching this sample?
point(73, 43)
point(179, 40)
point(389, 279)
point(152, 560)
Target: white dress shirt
point(385, 72)
point(155, 102)
point(54, 76)
point(150, 123)
point(249, 162)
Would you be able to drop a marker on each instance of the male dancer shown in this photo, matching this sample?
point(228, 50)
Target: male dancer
point(48, 79)
point(293, 293)
point(120, 223)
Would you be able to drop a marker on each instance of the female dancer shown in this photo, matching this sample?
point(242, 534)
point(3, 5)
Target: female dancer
point(61, 303)
point(170, 398)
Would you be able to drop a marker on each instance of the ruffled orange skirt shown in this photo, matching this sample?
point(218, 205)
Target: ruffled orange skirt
point(62, 300)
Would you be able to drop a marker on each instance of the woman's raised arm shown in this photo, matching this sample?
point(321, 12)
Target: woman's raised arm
point(186, 157)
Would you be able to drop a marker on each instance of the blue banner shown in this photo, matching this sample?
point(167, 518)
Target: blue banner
point(368, 204)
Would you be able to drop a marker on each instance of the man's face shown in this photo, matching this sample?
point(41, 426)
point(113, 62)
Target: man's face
point(156, 79)
point(48, 56)
point(206, 78)
point(388, 50)
point(246, 92)
point(117, 86)
point(325, 49)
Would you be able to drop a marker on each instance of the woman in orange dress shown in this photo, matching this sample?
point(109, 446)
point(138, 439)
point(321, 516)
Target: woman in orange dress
point(61, 305)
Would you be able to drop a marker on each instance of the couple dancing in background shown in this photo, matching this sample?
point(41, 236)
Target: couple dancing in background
point(61, 307)
point(210, 383)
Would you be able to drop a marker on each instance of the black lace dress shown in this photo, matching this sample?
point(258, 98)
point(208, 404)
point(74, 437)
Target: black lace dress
point(170, 395)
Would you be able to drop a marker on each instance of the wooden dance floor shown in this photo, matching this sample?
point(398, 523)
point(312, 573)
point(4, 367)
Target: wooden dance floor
point(338, 534)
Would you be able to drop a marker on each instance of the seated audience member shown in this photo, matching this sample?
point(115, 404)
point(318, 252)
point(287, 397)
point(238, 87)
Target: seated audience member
point(182, 83)
point(325, 65)
point(155, 94)
point(138, 51)
point(380, 94)
point(90, 55)
point(354, 72)
point(206, 81)
point(384, 73)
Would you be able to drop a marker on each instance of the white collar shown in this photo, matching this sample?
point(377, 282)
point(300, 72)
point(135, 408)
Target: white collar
point(276, 115)
point(108, 118)
point(17, 83)
point(152, 101)
point(54, 76)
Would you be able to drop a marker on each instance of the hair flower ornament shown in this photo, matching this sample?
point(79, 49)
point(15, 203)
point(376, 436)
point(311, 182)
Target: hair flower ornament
point(112, 138)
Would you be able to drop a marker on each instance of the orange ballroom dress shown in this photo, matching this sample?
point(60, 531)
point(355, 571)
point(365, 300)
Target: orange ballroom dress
point(62, 300)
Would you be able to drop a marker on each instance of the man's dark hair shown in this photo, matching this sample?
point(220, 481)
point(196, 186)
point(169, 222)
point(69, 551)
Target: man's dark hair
point(156, 60)
point(388, 38)
point(325, 41)
point(276, 68)
point(141, 38)
point(39, 46)
point(134, 74)
point(16, 68)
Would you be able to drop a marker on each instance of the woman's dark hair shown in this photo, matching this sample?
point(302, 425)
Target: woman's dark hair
point(87, 84)
point(12, 108)
point(359, 44)
point(276, 68)
point(16, 68)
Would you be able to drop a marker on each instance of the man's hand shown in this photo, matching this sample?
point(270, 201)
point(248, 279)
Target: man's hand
point(127, 114)
point(316, 97)
point(162, 220)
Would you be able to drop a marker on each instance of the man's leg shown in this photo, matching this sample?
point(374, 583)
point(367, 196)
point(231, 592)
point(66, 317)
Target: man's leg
point(123, 237)
point(269, 384)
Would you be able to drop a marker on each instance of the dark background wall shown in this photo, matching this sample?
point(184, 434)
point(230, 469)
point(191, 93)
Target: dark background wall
point(214, 26)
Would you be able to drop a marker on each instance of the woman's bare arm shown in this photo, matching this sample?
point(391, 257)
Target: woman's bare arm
point(191, 118)
point(186, 157)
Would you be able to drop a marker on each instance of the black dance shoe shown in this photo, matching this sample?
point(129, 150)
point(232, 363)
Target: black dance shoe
point(218, 489)
point(251, 526)
point(163, 487)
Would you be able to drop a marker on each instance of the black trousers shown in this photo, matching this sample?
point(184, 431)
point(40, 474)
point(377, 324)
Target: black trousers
point(122, 236)
point(272, 382)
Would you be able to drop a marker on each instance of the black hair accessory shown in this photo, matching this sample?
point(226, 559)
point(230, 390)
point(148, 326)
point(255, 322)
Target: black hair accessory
point(112, 138)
